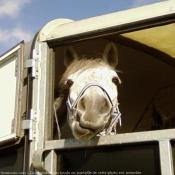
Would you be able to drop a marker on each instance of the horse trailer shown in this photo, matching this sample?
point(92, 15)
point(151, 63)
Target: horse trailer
point(145, 143)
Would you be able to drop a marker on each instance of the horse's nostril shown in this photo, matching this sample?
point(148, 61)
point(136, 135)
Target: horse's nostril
point(105, 107)
point(81, 104)
point(78, 117)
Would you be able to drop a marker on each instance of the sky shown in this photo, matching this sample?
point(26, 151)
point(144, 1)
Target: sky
point(21, 19)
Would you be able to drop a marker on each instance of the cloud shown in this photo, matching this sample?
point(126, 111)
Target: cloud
point(137, 3)
point(11, 8)
point(13, 36)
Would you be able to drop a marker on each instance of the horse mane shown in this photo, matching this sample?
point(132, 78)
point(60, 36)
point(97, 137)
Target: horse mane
point(82, 65)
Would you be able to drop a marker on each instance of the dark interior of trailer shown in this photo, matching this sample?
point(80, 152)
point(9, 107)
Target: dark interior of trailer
point(130, 159)
point(147, 92)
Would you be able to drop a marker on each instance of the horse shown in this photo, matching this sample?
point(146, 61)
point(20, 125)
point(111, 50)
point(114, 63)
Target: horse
point(88, 92)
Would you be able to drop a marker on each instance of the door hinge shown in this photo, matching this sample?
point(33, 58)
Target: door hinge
point(34, 63)
point(32, 125)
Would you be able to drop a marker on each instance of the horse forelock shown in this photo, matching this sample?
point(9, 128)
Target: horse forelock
point(82, 65)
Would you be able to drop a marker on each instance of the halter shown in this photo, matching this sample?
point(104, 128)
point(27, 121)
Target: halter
point(115, 115)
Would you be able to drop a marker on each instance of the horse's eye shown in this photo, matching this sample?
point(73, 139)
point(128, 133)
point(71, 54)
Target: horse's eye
point(69, 82)
point(115, 80)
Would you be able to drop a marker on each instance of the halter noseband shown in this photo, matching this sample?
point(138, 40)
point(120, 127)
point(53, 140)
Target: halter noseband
point(115, 115)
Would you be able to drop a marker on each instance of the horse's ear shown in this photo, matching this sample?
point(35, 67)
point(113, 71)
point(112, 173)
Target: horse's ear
point(110, 54)
point(69, 56)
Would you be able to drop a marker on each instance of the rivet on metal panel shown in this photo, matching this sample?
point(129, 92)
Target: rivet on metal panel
point(172, 8)
point(53, 36)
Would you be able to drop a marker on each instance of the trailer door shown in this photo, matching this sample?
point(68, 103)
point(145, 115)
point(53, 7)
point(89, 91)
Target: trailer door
point(11, 95)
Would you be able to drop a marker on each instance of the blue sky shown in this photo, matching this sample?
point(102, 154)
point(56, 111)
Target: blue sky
point(21, 19)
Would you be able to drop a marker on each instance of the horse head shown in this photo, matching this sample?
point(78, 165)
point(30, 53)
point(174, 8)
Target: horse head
point(91, 88)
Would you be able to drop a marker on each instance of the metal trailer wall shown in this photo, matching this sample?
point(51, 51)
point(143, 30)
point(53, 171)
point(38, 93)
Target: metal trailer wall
point(149, 152)
point(142, 76)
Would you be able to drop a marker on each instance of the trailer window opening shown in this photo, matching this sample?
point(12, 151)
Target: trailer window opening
point(142, 104)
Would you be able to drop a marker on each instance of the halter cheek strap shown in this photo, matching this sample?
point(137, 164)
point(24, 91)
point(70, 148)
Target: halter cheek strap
point(115, 115)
